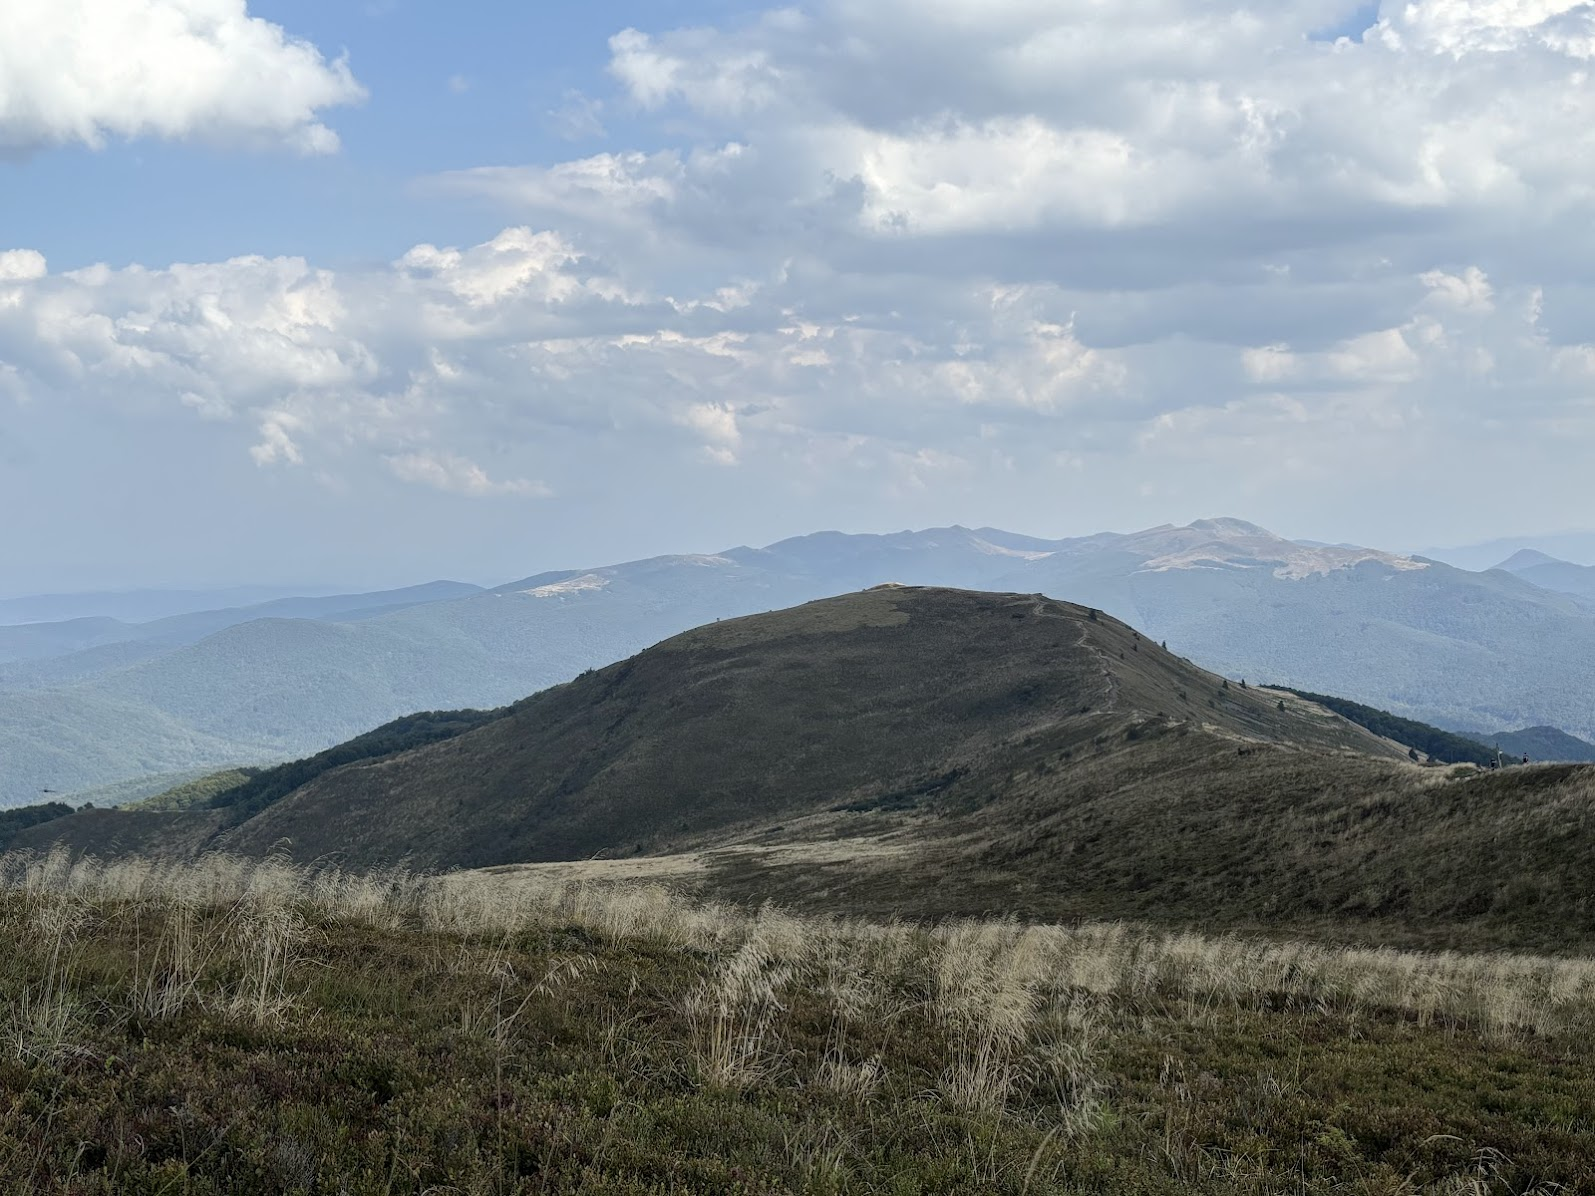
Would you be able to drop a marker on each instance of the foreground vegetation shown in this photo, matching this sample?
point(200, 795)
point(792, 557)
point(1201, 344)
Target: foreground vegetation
point(240, 1027)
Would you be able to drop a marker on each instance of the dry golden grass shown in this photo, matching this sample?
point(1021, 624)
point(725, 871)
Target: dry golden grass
point(994, 980)
point(1012, 1049)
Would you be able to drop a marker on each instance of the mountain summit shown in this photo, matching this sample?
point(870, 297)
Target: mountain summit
point(894, 697)
point(1528, 558)
point(1237, 544)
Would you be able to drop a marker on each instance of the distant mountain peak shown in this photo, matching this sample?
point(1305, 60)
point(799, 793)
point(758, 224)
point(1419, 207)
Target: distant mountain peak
point(1528, 558)
point(1229, 526)
point(1227, 543)
point(582, 583)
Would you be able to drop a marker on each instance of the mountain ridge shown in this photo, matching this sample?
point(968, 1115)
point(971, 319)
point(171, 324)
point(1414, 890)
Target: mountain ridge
point(32, 641)
point(1527, 558)
point(1418, 638)
point(936, 752)
point(837, 685)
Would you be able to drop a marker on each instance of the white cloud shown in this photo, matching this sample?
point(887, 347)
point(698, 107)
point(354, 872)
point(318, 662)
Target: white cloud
point(516, 261)
point(85, 70)
point(1459, 27)
point(525, 351)
point(457, 475)
point(950, 258)
point(1468, 291)
point(716, 423)
point(579, 117)
point(276, 441)
point(1268, 363)
point(955, 118)
point(698, 66)
point(22, 265)
point(604, 188)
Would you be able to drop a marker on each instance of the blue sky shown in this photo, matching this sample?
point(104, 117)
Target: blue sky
point(367, 293)
point(446, 92)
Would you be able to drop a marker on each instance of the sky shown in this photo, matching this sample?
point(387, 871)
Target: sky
point(371, 291)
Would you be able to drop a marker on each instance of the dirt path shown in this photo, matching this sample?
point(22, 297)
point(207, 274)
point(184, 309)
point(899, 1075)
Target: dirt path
point(1110, 695)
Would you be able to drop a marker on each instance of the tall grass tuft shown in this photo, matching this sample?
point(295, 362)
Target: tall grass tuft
point(42, 1024)
point(734, 1011)
point(987, 980)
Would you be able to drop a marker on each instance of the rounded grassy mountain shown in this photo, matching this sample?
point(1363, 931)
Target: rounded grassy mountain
point(928, 752)
point(888, 699)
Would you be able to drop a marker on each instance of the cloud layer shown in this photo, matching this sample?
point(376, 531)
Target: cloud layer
point(81, 71)
point(1055, 264)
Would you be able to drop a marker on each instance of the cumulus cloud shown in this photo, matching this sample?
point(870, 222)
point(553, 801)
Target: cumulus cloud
point(965, 258)
point(516, 261)
point(1150, 121)
point(276, 440)
point(528, 352)
point(1193, 215)
point(717, 424)
point(80, 71)
point(457, 475)
point(22, 264)
point(486, 346)
point(1468, 291)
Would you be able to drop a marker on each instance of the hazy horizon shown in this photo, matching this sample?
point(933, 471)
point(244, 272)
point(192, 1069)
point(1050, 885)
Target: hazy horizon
point(1575, 546)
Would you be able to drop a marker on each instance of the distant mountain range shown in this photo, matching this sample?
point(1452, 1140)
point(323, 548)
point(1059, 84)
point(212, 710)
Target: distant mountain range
point(1422, 639)
point(1539, 744)
point(1562, 545)
point(72, 638)
point(139, 606)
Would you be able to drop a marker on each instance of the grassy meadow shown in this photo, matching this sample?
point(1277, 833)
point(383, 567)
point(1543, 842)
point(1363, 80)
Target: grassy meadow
point(232, 1026)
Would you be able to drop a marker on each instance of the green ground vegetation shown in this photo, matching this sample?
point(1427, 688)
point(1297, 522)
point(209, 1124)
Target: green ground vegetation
point(241, 1028)
point(195, 794)
point(20, 818)
point(1443, 746)
point(258, 788)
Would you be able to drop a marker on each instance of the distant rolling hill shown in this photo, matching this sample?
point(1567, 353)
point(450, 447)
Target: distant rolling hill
point(1417, 638)
point(930, 751)
point(32, 642)
point(138, 606)
point(1540, 744)
point(1548, 573)
point(1565, 546)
